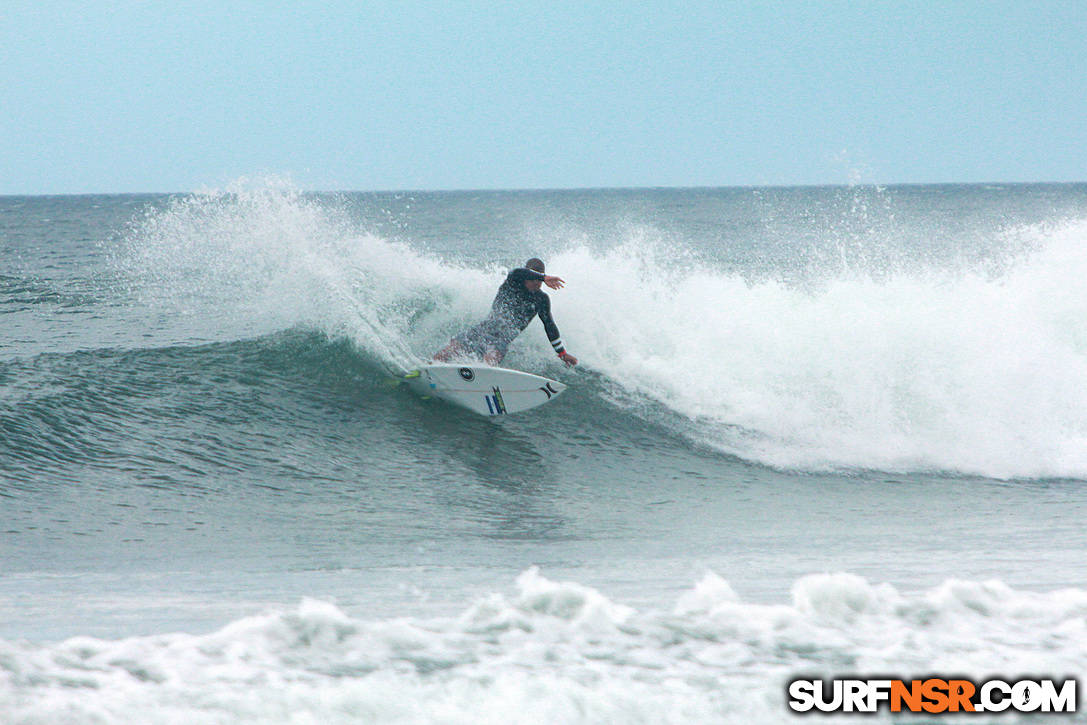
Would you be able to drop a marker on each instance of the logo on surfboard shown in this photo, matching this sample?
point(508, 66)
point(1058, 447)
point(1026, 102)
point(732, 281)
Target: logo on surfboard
point(467, 373)
point(495, 404)
point(549, 391)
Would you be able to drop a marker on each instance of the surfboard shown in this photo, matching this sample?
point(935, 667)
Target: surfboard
point(483, 389)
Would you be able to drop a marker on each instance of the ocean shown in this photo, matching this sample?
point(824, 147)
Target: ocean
point(834, 432)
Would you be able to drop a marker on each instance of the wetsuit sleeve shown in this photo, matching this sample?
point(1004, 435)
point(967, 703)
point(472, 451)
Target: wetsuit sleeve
point(521, 274)
point(543, 309)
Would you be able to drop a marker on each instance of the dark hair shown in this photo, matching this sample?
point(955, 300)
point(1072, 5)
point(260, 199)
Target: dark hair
point(536, 265)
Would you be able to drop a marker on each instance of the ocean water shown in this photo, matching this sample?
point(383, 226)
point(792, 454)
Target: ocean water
point(833, 430)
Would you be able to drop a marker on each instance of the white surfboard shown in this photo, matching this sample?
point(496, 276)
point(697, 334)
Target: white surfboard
point(483, 389)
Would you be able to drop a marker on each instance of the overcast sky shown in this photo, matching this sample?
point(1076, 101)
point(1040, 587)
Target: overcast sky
point(174, 96)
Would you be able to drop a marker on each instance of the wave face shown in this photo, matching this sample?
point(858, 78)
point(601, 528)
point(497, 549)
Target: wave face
point(849, 329)
point(551, 652)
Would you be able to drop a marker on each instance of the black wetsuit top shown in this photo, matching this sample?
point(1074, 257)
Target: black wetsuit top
point(513, 308)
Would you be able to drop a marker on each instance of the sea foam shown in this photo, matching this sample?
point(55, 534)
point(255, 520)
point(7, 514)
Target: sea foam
point(549, 652)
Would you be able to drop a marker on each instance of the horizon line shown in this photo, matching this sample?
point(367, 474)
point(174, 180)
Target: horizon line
point(544, 189)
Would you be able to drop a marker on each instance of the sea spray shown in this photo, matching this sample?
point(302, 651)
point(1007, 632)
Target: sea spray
point(260, 257)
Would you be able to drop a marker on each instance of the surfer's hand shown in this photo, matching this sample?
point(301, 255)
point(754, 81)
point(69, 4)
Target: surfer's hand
point(568, 358)
point(553, 282)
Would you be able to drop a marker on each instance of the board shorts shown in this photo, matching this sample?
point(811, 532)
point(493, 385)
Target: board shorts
point(482, 339)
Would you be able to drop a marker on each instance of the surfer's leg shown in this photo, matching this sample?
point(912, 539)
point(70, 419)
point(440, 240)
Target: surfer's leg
point(453, 349)
point(496, 350)
point(473, 342)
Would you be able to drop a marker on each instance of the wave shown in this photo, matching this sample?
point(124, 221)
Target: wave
point(135, 410)
point(550, 652)
point(200, 415)
point(978, 368)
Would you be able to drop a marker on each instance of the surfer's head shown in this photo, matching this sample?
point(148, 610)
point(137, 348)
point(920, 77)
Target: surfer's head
point(536, 265)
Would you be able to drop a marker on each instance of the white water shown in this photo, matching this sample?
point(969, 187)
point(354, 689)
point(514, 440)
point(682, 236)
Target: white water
point(551, 652)
point(951, 371)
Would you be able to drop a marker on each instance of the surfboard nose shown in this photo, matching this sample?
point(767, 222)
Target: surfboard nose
point(552, 388)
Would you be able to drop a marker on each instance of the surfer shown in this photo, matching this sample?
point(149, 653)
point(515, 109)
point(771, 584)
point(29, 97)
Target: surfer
point(519, 299)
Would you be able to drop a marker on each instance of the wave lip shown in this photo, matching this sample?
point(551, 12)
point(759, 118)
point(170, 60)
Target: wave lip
point(553, 651)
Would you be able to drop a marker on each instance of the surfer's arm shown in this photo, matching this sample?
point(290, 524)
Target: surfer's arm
point(519, 276)
point(523, 274)
point(543, 308)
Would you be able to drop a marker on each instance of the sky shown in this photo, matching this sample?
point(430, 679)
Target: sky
point(152, 96)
